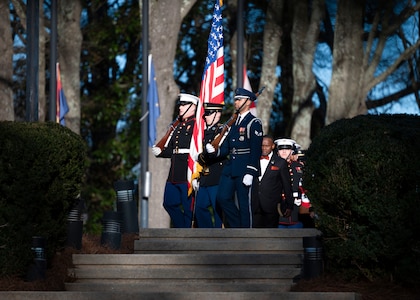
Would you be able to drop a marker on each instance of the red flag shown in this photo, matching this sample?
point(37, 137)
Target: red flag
point(212, 84)
point(247, 85)
point(61, 102)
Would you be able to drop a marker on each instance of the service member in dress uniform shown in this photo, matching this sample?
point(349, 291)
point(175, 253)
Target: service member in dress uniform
point(207, 214)
point(177, 147)
point(273, 184)
point(306, 211)
point(289, 213)
point(242, 146)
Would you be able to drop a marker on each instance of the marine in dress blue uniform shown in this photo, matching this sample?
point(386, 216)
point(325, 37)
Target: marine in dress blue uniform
point(285, 150)
point(242, 146)
point(176, 200)
point(306, 211)
point(207, 213)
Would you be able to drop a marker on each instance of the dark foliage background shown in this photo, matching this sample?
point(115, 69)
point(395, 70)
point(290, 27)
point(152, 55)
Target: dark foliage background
point(41, 171)
point(363, 177)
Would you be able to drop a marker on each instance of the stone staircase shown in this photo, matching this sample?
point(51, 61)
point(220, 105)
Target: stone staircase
point(190, 264)
point(200, 264)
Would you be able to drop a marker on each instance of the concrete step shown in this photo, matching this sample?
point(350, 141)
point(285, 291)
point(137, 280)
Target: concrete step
point(177, 273)
point(173, 233)
point(191, 286)
point(185, 259)
point(229, 240)
point(198, 261)
point(118, 295)
point(184, 272)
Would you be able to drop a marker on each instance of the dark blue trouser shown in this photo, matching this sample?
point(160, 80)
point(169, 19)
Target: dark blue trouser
point(206, 198)
point(237, 214)
point(178, 205)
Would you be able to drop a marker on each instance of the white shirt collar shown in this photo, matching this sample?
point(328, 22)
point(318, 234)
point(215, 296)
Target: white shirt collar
point(242, 116)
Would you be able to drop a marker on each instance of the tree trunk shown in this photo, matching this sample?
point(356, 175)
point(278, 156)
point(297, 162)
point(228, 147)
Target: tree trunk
point(69, 50)
point(272, 44)
point(163, 42)
point(346, 98)
point(6, 70)
point(304, 37)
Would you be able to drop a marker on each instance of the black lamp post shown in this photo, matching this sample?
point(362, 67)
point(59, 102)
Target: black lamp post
point(111, 229)
point(75, 226)
point(39, 266)
point(313, 265)
point(126, 204)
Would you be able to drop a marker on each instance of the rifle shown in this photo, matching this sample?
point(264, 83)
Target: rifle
point(219, 138)
point(217, 141)
point(164, 139)
point(259, 92)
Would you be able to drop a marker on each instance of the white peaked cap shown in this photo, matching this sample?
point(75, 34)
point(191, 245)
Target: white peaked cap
point(188, 98)
point(284, 143)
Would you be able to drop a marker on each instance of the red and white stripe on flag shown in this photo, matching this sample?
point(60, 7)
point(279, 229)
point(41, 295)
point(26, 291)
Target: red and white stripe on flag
point(212, 84)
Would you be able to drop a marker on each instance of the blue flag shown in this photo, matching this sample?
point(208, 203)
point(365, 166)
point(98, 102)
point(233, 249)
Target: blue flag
point(61, 101)
point(153, 101)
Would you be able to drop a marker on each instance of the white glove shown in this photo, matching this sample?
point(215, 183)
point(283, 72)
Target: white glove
point(305, 199)
point(210, 149)
point(156, 151)
point(298, 201)
point(247, 180)
point(195, 184)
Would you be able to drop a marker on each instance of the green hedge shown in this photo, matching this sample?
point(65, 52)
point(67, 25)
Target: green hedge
point(41, 171)
point(362, 176)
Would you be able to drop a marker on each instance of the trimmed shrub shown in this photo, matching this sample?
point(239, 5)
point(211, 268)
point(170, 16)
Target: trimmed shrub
point(41, 171)
point(362, 176)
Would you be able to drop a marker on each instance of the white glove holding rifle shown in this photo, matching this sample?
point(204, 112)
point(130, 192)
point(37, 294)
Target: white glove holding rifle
point(195, 185)
point(156, 150)
point(210, 149)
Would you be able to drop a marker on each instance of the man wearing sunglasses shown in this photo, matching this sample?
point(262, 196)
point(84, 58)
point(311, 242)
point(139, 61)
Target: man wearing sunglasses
point(207, 214)
point(177, 147)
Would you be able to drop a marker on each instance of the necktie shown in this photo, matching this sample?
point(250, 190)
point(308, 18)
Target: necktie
point(264, 157)
point(238, 121)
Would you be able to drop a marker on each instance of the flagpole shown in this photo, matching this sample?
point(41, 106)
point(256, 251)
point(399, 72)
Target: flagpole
point(240, 44)
point(32, 60)
point(53, 61)
point(144, 150)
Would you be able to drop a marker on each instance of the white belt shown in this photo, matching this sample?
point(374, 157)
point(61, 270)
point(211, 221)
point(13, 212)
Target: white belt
point(181, 151)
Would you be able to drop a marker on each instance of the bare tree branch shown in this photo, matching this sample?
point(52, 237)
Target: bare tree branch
point(370, 71)
point(20, 8)
point(391, 98)
point(404, 56)
point(399, 19)
point(370, 39)
point(412, 76)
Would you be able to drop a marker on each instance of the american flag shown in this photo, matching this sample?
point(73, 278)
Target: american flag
point(212, 84)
